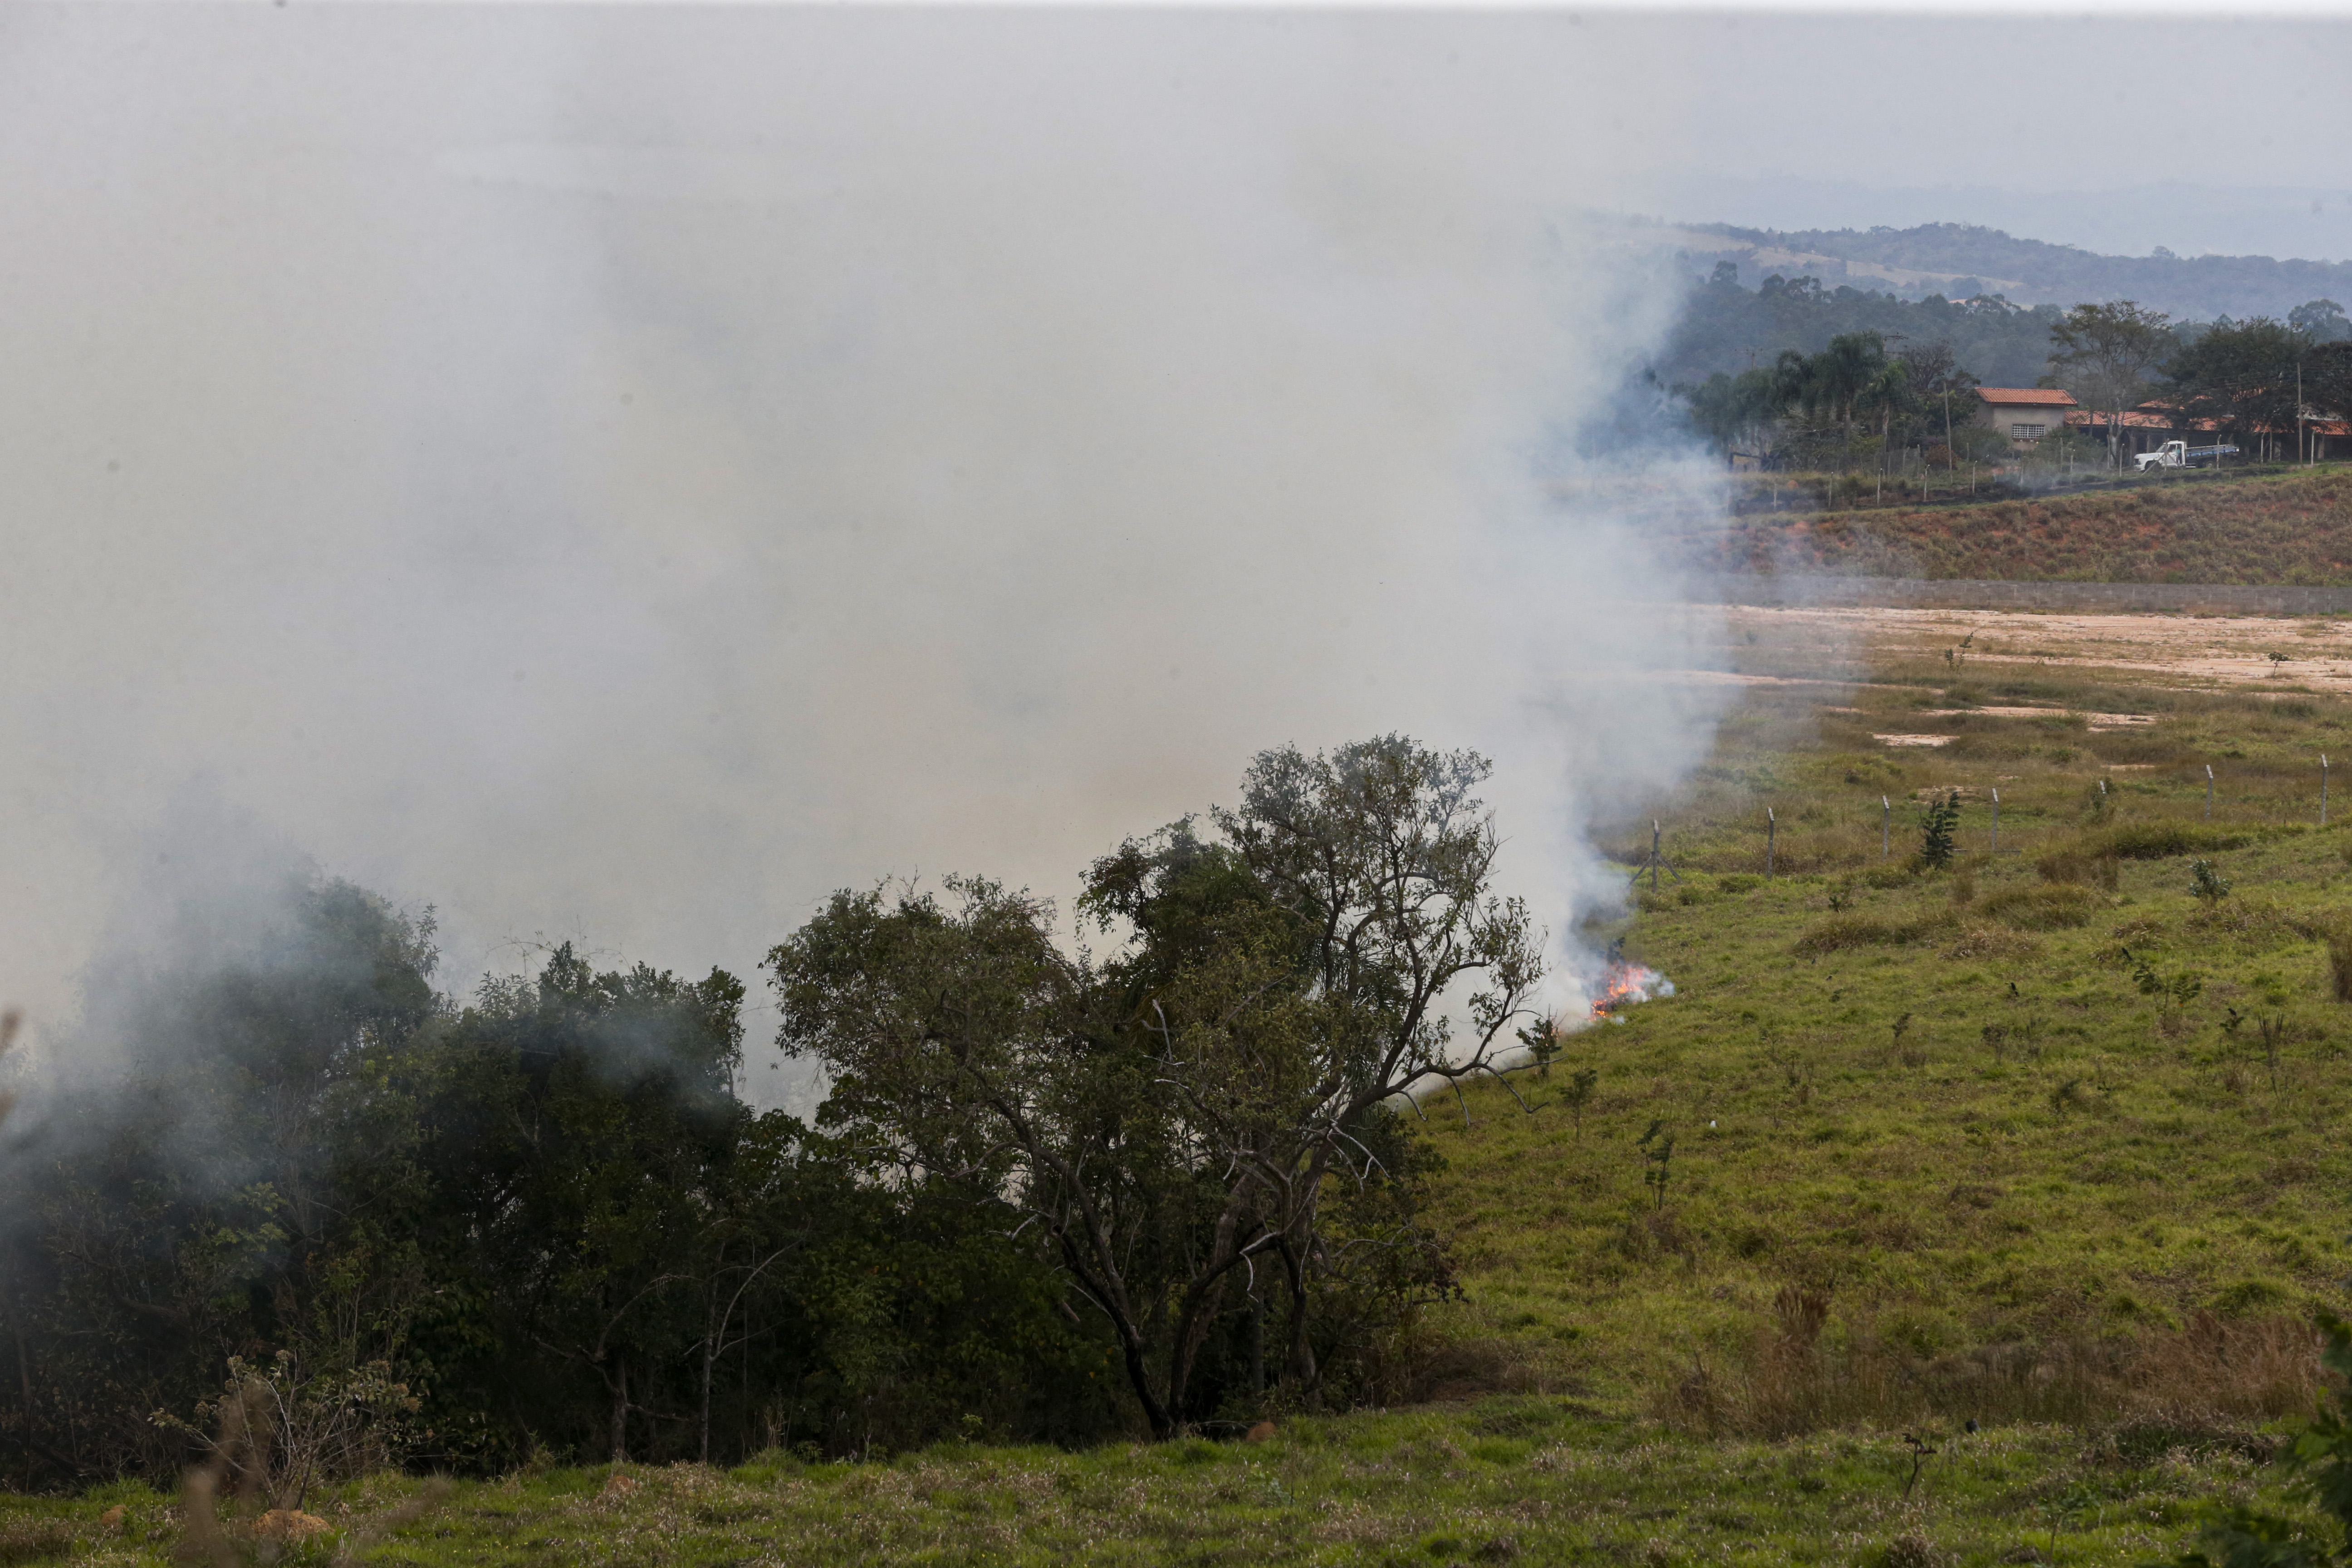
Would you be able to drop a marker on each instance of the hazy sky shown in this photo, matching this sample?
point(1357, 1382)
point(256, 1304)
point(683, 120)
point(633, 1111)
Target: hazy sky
point(623, 473)
point(1842, 121)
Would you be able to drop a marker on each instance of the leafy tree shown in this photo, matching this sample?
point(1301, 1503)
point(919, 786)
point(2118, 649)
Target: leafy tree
point(2327, 378)
point(545, 1214)
point(1735, 411)
point(2241, 376)
point(2319, 321)
point(1168, 1125)
point(2105, 353)
point(189, 1209)
point(591, 1201)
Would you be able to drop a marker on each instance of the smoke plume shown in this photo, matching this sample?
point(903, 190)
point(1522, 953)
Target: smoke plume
point(625, 474)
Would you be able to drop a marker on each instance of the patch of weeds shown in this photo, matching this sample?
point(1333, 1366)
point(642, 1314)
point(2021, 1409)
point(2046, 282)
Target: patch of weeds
point(2053, 906)
point(1843, 931)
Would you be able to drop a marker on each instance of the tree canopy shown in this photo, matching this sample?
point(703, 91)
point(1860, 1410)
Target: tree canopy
point(1048, 1195)
point(1168, 1125)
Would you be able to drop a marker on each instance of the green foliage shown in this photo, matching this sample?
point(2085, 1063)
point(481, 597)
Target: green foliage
point(544, 1216)
point(2176, 990)
point(1522, 1478)
point(2104, 352)
point(1166, 1127)
point(1723, 324)
point(2239, 376)
point(2207, 885)
point(1939, 831)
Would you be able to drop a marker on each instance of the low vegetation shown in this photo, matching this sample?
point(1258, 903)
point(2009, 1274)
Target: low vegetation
point(2050, 1135)
point(1526, 1479)
point(2284, 526)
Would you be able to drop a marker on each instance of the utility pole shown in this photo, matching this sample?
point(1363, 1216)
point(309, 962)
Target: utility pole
point(1887, 822)
point(2208, 792)
point(1771, 830)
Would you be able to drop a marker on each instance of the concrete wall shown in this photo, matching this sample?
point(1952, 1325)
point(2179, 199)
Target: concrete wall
point(2112, 598)
point(2002, 416)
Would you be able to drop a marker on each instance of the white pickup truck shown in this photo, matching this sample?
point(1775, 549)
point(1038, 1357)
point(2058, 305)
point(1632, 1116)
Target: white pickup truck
point(2182, 455)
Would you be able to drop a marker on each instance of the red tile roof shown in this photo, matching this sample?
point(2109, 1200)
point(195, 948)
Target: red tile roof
point(2006, 395)
point(2141, 418)
point(2144, 419)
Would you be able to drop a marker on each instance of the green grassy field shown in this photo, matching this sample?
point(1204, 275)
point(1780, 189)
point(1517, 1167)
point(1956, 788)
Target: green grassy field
point(1948, 1110)
point(1526, 1479)
point(2277, 526)
point(2044, 1142)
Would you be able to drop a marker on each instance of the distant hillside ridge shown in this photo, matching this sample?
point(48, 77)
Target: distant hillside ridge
point(1961, 259)
point(2282, 529)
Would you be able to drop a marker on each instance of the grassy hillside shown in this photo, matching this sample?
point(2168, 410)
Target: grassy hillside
point(2281, 527)
point(2044, 1136)
point(2043, 1140)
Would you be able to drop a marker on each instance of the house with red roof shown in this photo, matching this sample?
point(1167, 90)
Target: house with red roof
point(2023, 413)
point(2151, 425)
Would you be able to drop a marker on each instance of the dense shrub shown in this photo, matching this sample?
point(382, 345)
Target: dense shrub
point(2161, 840)
point(2042, 907)
point(1843, 931)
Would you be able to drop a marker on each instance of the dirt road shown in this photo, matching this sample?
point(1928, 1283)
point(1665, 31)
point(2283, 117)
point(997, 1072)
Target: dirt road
point(2194, 650)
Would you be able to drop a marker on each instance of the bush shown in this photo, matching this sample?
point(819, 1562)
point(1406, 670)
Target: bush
point(1939, 825)
point(1843, 931)
point(2162, 841)
point(2047, 907)
point(2077, 864)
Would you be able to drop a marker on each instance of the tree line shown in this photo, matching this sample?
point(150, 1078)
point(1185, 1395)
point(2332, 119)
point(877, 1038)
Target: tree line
point(1723, 327)
point(1048, 1195)
point(2200, 285)
point(2246, 382)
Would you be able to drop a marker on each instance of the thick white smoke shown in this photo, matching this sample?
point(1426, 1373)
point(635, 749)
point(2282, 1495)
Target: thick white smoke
point(625, 474)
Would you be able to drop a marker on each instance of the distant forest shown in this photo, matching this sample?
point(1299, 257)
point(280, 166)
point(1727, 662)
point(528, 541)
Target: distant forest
point(1726, 328)
point(1980, 260)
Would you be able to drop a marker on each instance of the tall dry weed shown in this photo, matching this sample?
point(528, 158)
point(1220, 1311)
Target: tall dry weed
point(2340, 959)
point(266, 1519)
point(1798, 1378)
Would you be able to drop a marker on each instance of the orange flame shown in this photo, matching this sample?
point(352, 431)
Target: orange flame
point(1624, 983)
